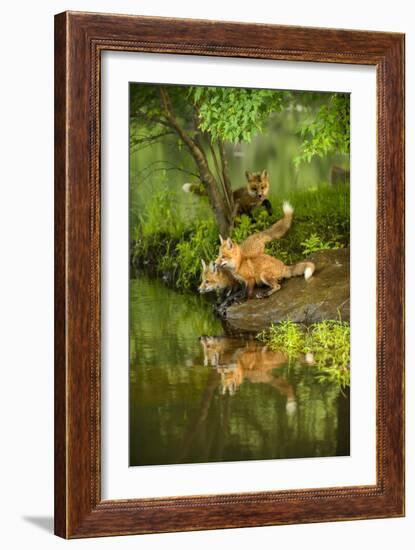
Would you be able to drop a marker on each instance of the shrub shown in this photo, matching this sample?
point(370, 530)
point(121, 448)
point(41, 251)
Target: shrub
point(201, 244)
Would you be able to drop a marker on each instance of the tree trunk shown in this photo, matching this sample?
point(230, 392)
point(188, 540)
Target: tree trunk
point(225, 175)
point(216, 201)
point(206, 177)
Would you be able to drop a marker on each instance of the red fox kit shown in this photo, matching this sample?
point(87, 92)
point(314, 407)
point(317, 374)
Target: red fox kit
point(215, 278)
point(259, 270)
point(246, 198)
point(255, 193)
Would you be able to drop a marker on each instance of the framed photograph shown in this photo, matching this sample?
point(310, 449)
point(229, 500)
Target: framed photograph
point(229, 275)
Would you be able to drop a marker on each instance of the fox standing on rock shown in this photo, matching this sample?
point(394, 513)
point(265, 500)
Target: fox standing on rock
point(246, 198)
point(262, 269)
point(215, 278)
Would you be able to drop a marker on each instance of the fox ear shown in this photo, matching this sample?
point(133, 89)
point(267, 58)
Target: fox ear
point(247, 175)
point(212, 266)
point(222, 240)
point(264, 174)
point(229, 243)
point(203, 264)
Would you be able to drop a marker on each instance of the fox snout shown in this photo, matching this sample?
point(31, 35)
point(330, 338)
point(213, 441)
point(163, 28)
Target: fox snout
point(205, 288)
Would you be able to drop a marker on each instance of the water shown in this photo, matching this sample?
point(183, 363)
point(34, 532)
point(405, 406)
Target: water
point(198, 395)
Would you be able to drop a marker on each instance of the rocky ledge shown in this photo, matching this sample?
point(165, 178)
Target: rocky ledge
point(325, 296)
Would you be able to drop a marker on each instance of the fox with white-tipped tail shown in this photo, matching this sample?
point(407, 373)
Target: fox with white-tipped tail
point(247, 263)
point(255, 244)
point(214, 278)
point(262, 269)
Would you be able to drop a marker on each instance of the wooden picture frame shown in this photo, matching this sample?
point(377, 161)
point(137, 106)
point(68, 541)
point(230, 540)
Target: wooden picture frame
point(79, 40)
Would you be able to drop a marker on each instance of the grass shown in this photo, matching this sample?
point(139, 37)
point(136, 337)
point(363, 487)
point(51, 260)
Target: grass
point(326, 345)
point(169, 246)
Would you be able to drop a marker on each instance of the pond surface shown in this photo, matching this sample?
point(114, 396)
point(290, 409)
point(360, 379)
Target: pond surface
point(198, 395)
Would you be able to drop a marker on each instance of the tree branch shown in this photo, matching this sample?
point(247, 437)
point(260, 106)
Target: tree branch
point(153, 137)
point(151, 118)
point(225, 176)
point(215, 162)
point(147, 141)
point(206, 176)
point(215, 159)
point(173, 122)
point(149, 169)
point(222, 180)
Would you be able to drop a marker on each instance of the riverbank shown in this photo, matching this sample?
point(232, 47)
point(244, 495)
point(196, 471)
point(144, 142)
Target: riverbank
point(305, 318)
point(321, 221)
point(320, 232)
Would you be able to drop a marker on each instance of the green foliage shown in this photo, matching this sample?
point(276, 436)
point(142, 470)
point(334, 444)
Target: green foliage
point(329, 342)
point(326, 345)
point(162, 215)
point(321, 219)
point(245, 226)
point(235, 114)
point(201, 244)
point(314, 243)
point(228, 114)
point(326, 131)
point(169, 240)
point(146, 107)
point(286, 336)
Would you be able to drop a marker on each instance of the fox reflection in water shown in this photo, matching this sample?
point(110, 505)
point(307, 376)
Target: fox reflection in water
point(237, 360)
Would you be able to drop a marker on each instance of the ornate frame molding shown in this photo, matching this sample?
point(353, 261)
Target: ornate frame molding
point(79, 40)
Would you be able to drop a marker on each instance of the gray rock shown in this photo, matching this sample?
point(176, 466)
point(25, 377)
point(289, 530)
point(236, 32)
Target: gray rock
point(325, 296)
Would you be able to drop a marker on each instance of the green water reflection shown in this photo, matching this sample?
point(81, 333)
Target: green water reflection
point(197, 395)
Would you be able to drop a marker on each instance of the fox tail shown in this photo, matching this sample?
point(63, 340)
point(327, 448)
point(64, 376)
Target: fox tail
point(280, 228)
point(195, 188)
point(301, 268)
